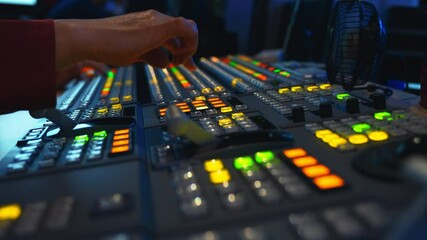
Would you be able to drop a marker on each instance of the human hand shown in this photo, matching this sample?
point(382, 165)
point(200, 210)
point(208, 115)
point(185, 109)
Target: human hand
point(126, 39)
point(63, 76)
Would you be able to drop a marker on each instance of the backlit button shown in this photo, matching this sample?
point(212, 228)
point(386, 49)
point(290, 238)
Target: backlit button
point(120, 149)
point(194, 208)
point(213, 165)
point(316, 171)
point(225, 121)
point(219, 176)
point(120, 142)
point(358, 139)
point(264, 157)
point(120, 137)
point(378, 136)
point(226, 109)
point(226, 187)
point(337, 142)
point(294, 153)
point(243, 162)
point(122, 131)
point(322, 133)
point(10, 212)
point(234, 201)
point(304, 161)
point(361, 127)
point(328, 182)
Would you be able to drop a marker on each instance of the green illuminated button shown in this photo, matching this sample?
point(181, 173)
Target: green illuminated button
point(343, 96)
point(383, 116)
point(361, 127)
point(100, 134)
point(81, 138)
point(264, 157)
point(243, 162)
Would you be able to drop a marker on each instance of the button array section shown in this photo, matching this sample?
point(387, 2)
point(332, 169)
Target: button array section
point(191, 200)
point(32, 134)
point(227, 124)
point(340, 222)
point(347, 133)
point(319, 174)
point(226, 188)
point(122, 142)
point(31, 218)
point(200, 106)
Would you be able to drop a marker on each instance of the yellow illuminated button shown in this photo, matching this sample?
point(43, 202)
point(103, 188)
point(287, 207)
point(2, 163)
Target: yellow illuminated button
point(121, 131)
point(235, 81)
point(330, 137)
point(325, 86)
point(322, 133)
point(114, 99)
point(283, 90)
point(304, 161)
point(337, 142)
point(328, 182)
point(294, 153)
point(121, 137)
point(206, 90)
point(201, 98)
point(226, 109)
point(120, 142)
point(116, 106)
point(358, 139)
point(225, 121)
point(202, 108)
point(312, 88)
point(378, 136)
point(219, 89)
point(296, 89)
point(120, 149)
point(213, 165)
point(127, 98)
point(238, 115)
point(316, 171)
point(220, 176)
point(10, 212)
point(103, 110)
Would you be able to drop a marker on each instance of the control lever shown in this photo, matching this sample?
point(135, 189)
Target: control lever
point(180, 125)
point(55, 116)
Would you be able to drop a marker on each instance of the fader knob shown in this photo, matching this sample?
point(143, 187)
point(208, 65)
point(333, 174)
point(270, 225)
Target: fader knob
point(325, 109)
point(352, 105)
point(378, 100)
point(298, 113)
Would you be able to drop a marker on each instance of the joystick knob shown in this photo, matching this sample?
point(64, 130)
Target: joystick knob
point(298, 114)
point(378, 100)
point(325, 109)
point(352, 105)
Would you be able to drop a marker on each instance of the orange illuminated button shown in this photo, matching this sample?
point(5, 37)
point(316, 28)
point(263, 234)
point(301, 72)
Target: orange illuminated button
point(122, 131)
point(120, 149)
point(120, 142)
point(181, 104)
point(121, 137)
point(316, 171)
point(329, 182)
point(304, 161)
point(294, 153)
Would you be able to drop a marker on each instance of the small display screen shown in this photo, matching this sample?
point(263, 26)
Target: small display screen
point(19, 2)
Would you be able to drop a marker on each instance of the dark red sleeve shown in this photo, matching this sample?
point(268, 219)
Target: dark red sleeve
point(27, 65)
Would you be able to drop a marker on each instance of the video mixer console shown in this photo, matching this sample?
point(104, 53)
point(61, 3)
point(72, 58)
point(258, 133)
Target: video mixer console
point(236, 149)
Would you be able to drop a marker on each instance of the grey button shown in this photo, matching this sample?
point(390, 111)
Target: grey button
point(234, 201)
point(194, 208)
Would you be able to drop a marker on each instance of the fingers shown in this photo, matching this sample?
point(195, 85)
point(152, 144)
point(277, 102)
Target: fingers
point(182, 41)
point(156, 57)
point(101, 67)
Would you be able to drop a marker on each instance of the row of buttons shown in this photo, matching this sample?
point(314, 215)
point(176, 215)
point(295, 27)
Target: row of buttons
point(122, 142)
point(26, 220)
point(339, 222)
point(192, 203)
point(32, 134)
point(199, 104)
point(318, 173)
point(231, 197)
point(223, 123)
point(347, 132)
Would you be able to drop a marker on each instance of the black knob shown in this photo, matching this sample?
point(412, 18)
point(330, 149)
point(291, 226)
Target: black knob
point(352, 105)
point(298, 113)
point(325, 109)
point(378, 100)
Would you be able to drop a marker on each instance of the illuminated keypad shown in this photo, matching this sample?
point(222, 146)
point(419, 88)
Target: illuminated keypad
point(121, 142)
